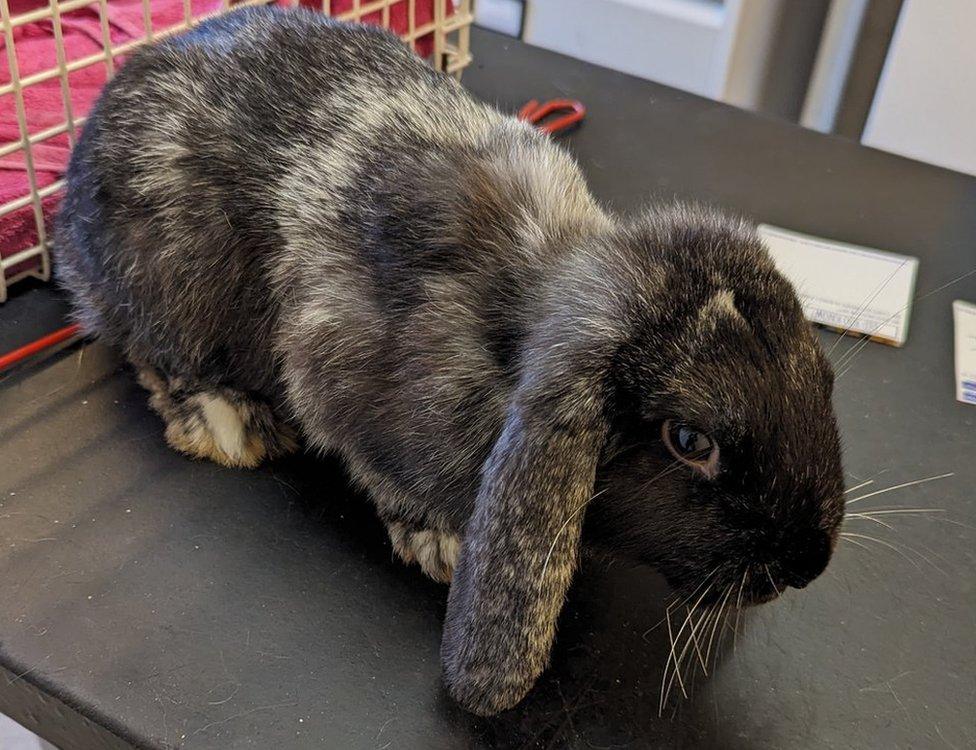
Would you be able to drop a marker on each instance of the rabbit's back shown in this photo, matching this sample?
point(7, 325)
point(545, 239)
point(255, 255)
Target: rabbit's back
point(211, 157)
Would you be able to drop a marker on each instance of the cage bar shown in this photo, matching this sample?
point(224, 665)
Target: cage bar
point(411, 23)
point(27, 149)
point(106, 38)
point(44, 13)
point(62, 71)
point(147, 25)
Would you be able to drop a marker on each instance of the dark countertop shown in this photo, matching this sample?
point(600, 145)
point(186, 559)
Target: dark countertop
point(146, 599)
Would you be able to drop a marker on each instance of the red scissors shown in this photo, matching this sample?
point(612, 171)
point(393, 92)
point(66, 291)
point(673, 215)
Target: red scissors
point(534, 112)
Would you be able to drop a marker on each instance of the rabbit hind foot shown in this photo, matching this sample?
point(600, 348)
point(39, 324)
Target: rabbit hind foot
point(220, 424)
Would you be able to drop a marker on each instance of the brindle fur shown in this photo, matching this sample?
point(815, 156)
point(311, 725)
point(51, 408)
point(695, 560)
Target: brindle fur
point(300, 218)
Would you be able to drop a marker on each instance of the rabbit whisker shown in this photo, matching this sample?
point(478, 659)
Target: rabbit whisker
point(619, 452)
point(862, 517)
point(668, 607)
point(895, 548)
point(862, 545)
point(851, 354)
point(651, 629)
point(694, 638)
point(770, 577)
point(671, 636)
point(900, 486)
point(685, 623)
point(957, 523)
point(674, 638)
point(708, 648)
point(846, 360)
point(717, 609)
point(898, 550)
point(709, 620)
point(562, 528)
point(864, 307)
point(701, 627)
point(674, 603)
point(673, 466)
point(859, 486)
point(679, 661)
point(725, 626)
point(664, 677)
point(870, 515)
point(738, 607)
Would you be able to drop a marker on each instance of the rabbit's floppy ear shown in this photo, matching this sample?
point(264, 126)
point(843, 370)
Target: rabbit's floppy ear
point(521, 543)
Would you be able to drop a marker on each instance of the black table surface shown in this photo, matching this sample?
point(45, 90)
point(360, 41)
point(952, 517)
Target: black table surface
point(150, 600)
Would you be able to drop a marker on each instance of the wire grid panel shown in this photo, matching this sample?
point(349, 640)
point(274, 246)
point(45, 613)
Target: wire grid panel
point(58, 55)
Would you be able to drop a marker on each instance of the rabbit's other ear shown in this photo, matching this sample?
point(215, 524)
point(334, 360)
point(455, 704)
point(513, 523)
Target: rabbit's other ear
point(521, 543)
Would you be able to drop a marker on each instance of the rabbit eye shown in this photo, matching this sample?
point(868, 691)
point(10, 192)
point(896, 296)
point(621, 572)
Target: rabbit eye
point(691, 446)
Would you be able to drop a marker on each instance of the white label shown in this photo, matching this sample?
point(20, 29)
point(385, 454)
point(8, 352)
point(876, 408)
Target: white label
point(964, 315)
point(846, 286)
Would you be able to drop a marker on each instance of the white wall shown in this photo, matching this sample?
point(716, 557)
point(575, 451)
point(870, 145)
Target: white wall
point(716, 48)
point(671, 41)
point(499, 15)
point(925, 105)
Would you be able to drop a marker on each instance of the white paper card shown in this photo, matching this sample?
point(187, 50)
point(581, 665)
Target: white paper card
point(964, 315)
point(846, 286)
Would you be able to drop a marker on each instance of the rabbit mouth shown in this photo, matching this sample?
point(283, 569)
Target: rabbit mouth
point(764, 582)
point(749, 586)
point(760, 597)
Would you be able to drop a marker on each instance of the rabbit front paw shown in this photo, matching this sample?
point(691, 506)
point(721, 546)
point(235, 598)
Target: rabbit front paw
point(435, 551)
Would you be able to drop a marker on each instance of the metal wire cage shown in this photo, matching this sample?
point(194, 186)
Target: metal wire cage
point(60, 53)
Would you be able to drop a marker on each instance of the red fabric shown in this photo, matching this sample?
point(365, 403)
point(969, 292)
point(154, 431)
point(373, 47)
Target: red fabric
point(35, 47)
point(424, 12)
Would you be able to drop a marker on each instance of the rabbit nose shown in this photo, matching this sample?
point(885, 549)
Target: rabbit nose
point(804, 556)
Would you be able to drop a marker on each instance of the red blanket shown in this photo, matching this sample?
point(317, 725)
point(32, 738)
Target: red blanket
point(35, 47)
